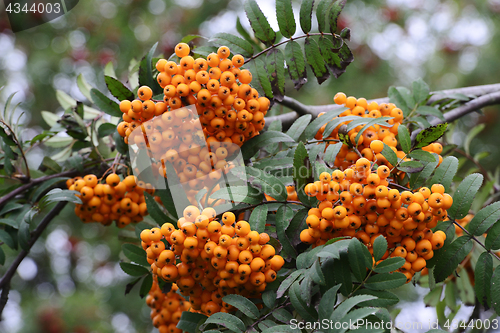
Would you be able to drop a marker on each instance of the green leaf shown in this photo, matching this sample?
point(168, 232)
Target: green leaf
point(243, 304)
point(135, 254)
point(327, 302)
point(356, 315)
point(316, 273)
point(301, 170)
point(298, 127)
point(384, 298)
point(374, 121)
point(65, 100)
point(281, 328)
point(269, 184)
point(23, 235)
point(10, 222)
point(342, 272)
point(445, 172)
point(286, 21)
point(259, 23)
point(321, 12)
point(495, 290)
point(390, 155)
point(471, 135)
point(419, 179)
point(146, 285)
point(258, 218)
point(331, 152)
point(389, 265)
point(404, 139)
point(482, 278)
point(484, 219)
point(331, 56)
point(276, 72)
point(315, 60)
point(269, 298)
point(56, 195)
point(315, 150)
point(45, 186)
point(451, 256)
point(306, 9)
point(7, 239)
point(420, 90)
point(133, 269)
point(282, 315)
point(281, 225)
point(493, 237)
point(385, 281)
point(308, 313)
point(429, 135)
point(155, 211)
point(243, 32)
point(190, 321)
point(464, 195)
point(258, 69)
point(252, 146)
point(118, 89)
point(296, 64)
point(2, 257)
point(379, 247)
point(105, 104)
point(188, 38)
point(50, 118)
point(290, 279)
point(246, 194)
point(121, 146)
point(403, 99)
point(410, 166)
point(226, 320)
point(359, 259)
point(48, 165)
point(317, 123)
point(235, 43)
point(105, 130)
point(146, 72)
point(84, 87)
point(334, 12)
point(434, 296)
point(430, 111)
point(347, 305)
point(422, 155)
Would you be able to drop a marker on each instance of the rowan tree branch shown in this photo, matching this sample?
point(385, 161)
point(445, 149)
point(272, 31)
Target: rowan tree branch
point(7, 277)
point(300, 109)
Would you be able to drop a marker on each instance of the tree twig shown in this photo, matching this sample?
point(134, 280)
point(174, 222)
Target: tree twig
point(7, 277)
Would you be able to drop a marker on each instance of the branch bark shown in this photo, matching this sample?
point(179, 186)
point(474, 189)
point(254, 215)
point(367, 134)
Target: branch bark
point(300, 109)
point(5, 282)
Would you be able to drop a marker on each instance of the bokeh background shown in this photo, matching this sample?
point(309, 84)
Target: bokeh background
point(71, 282)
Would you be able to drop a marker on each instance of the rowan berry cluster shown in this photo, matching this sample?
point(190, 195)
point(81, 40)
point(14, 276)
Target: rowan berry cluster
point(229, 109)
point(371, 142)
point(114, 200)
point(166, 309)
point(359, 202)
point(209, 260)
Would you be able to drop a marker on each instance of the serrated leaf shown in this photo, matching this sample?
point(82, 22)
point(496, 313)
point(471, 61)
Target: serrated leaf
point(296, 64)
point(301, 170)
point(146, 72)
point(146, 285)
point(118, 89)
point(135, 254)
point(434, 296)
point(259, 23)
point(484, 219)
point(84, 87)
point(422, 155)
point(420, 90)
point(281, 225)
point(258, 69)
point(155, 211)
point(105, 130)
point(321, 12)
point(419, 179)
point(56, 195)
point(411, 166)
point(390, 155)
point(429, 135)
point(258, 218)
point(45, 186)
point(252, 146)
point(379, 247)
point(349, 303)
point(236, 44)
point(331, 152)
point(482, 278)
point(190, 321)
point(335, 8)
point(306, 9)
point(246, 194)
point(282, 315)
point(493, 237)
point(317, 123)
point(290, 279)
point(281, 328)
point(10, 222)
point(6, 238)
point(276, 73)
point(298, 126)
point(308, 313)
point(269, 298)
point(403, 99)
point(385, 281)
point(331, 56)
point(327, 302)
point(226, 320)
point(133, 269)
point(243, 304)
point(359, 259)
point(384, 298)
point(374, 121)
point(105, 104)
point(243, 32)
point(404, 139)
point(389, 265)
point(269, 184)
point(451, 256)
point(342, 272)
point(65, 100)
point(430, 111)
point(284, 15)
point(315, 60)
point(445, 172)
point(2, 257)
point(464, 195)
point(50, 118)
point(495, 290)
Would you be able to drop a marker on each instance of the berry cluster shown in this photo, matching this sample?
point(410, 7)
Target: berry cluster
point(229, 109)
point(371, 142)
point(166, 309)
point(208, 260)
point(358, 202)
point(115, 200)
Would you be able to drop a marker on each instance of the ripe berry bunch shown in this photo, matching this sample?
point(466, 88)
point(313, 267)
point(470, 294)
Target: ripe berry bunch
point(209, 260)
point(114, 200)
point(166, 309)
point(229, 109)
point(358, 202)
point(371, 142)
